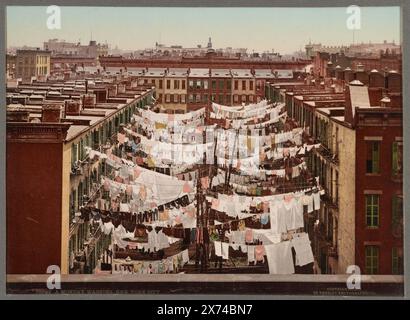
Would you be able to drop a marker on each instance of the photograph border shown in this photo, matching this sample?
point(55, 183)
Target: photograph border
point(405, 35)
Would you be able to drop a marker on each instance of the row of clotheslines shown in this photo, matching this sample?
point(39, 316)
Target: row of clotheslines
point(289, 203)
point(279, 255)
point(254, 110)
point(245, 148)
point(160, 216)
point(255, 115)
point(173, 127)
point(170, 117)
point(147, 184)
point(155, 241)
point(245, 124)
point(171, 264)
point(162, 137)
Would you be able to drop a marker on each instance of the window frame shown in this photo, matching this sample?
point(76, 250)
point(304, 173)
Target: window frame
point(372, 206)
point(372, 255)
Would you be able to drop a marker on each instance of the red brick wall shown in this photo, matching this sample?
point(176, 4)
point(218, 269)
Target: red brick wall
point(381, 236)
point(33, 195)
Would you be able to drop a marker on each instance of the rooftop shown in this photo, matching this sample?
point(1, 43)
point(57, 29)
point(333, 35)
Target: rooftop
point(220, 73)
point(199, 72)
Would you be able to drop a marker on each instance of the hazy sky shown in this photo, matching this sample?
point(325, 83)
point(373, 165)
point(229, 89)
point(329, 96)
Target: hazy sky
point(283, 29)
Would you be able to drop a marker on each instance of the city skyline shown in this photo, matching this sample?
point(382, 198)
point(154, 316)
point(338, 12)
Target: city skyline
point(26, 26)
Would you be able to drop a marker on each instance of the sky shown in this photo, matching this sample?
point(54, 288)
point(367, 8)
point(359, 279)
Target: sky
point(258, 29)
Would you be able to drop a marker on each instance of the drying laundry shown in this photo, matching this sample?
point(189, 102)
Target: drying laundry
point(279, 257)
point(303, 249)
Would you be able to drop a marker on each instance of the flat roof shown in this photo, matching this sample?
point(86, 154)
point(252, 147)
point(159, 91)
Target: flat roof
point(242, 73)
point(199, 72)
point(220, 73)
point(177, 72)
point(155, 72)
point(264, 73)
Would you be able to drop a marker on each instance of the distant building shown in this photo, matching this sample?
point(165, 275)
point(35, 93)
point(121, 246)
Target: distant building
point(61, 47)
point(32, 63)
point(10, 66)
point(366, 49)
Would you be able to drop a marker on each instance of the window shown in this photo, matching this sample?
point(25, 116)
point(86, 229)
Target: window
point(228, 84)
point(168, 84)
point(397, 216)
point(243, 85)
point(250, 85)
point(221, 99)
point(198, 84)
point(236, 84)
point(372, 157)
point(228, 99)
point(197, 98)
point(74, 155)
point(221, 84)
point(397, 158)
point(160, 97)
point(205, 98)
point(81, 150)
point(191, 84)
point(73, 197)
point(243, 98)
point(183, 85)
point(176, 84)
point(337, 188)
point(153, 81)
point(183, 98)
point(191, 98)
point(372, 210)
point(206, 84)
point(167, 98)
point(251, 98)
point(214, 84)
point(372, 259)
point(397, 261)
point(235, 98)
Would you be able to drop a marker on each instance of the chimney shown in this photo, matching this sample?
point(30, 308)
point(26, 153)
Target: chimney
point(121, 88)
point(396, 100)
point(51, 112)
point(376, 79)
point(72, 107)
point(112, 91)
point(101, 95)
point(17, 114)
point(375, 95)
point(89, 100)
point(385, 102)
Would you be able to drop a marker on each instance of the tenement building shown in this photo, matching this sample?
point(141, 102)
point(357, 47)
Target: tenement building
point(359, 164)
point(50, 175)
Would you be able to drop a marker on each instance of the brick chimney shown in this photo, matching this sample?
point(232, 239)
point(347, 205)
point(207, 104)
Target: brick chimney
point(51, 113)
point(121, 88)
point(17, 114)
point(89, 100)
point(112, 91)
point(72, 107)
